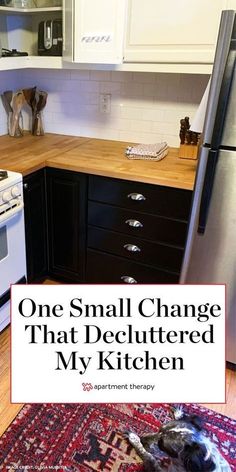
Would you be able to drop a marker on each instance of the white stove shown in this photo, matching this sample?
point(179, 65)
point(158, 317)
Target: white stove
point(11, 195)
point(12, 239)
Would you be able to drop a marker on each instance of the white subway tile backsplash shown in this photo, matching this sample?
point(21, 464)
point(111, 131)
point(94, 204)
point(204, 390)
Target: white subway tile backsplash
point(139, 101)
point(144, 78)
point(145, 107)
point(131, 136)
point(117, 76)
point(80, 74)
point(115, 124)
point(100, 133)
point(63, 97)
point(88, 86)
point(53, 74)
point(133, 113)
point(153, 114)
point(141, 125)
point(132, 89)
point(165, 128)
point(173, 115)
point(170, 139)
point(150, 90)
point(104, 75)
point(110, 87)
point(63, 128)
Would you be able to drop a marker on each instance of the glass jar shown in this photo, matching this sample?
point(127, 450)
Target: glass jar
point(31, 3)
point(48, 3)
point(23, 3)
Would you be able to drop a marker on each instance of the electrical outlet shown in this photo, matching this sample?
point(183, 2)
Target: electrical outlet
point(105, 103)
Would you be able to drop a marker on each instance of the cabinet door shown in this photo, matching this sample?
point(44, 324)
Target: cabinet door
point(173, 32)
point(98, 31)
point(66, 196)
point(35, 226)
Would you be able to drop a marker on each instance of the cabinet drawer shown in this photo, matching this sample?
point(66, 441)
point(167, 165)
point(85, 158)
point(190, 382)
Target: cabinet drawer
point(135, 249)
point(104, 268)
point(155, 199)
point(134, 223)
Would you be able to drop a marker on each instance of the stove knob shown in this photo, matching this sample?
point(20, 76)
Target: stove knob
point(6, 196)
point(15, 191)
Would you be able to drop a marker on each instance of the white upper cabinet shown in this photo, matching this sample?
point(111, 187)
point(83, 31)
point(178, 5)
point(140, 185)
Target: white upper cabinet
point(96, 29)
point(170, 31)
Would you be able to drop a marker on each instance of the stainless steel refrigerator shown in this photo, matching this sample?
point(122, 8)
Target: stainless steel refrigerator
point(210, 254)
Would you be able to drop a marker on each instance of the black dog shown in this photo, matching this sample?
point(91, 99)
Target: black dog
point(184, 442)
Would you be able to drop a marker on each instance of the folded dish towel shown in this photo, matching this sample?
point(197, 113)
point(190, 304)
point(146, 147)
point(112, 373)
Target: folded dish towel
point(153, 152)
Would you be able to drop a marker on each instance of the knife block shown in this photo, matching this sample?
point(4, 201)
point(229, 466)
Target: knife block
point(188, 151)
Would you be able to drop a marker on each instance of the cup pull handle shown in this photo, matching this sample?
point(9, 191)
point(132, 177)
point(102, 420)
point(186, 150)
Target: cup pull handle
point(136, 196)
point(134, 223)
point(128, 280)
point(132, 248)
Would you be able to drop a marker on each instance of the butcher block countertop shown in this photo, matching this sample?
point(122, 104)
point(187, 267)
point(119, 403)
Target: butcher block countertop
point(93, 156)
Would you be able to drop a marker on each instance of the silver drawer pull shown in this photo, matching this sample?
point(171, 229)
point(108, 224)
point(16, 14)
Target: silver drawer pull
point(136, 196)
point(128, 280)
point(132, 248)
point(134, 223)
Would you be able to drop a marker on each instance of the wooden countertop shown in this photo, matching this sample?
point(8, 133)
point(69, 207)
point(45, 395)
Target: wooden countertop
point(30, 153)
point(93, 156)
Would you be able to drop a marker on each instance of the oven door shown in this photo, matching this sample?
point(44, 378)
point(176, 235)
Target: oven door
point(12, 259)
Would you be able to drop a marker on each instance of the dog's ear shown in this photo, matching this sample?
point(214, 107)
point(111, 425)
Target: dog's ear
point(194, 458)
point(196, 421)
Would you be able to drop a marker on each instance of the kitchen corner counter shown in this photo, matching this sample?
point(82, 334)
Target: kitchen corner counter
point(93, 156)
point(30, 153)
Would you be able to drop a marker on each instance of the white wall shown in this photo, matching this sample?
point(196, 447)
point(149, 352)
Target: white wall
point(145, 107)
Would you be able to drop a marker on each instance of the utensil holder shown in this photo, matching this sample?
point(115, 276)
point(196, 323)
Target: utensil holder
point(188, 151)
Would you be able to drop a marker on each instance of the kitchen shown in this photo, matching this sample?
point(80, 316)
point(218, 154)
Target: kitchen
point(145, 98)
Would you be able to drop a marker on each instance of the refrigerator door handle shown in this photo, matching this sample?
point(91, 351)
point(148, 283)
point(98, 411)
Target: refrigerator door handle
point(207, 190)
point(224, 44)
point(224, 97)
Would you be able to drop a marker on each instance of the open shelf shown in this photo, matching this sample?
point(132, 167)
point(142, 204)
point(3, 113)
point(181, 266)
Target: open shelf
point(12, 10)
point(26, 62)
point(57, 62)
point(19, 28)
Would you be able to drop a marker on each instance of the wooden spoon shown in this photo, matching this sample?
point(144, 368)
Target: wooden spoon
point(17, 102)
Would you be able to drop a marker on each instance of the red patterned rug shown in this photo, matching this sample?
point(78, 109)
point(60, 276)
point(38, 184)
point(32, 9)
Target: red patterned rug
point(86, 437)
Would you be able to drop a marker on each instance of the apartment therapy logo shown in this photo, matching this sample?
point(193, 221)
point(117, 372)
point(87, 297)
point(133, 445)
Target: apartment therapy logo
point(81, 330)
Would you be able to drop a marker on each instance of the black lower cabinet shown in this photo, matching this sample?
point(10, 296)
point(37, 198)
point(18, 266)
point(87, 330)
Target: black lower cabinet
point(35, 225)
point(105, 268)
point(136, 231)
point(67, 209)
point(82, 228)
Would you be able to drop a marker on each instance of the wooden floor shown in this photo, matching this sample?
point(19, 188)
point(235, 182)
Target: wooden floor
point(8, 411)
